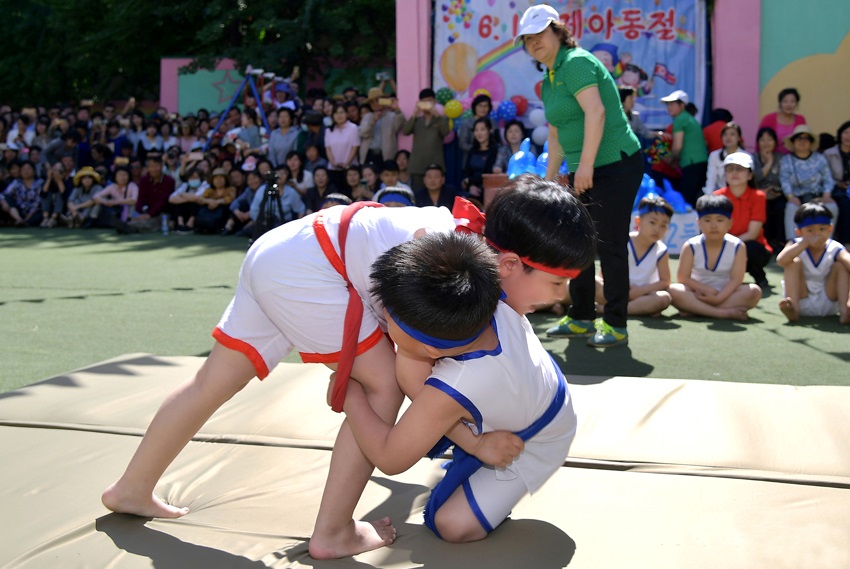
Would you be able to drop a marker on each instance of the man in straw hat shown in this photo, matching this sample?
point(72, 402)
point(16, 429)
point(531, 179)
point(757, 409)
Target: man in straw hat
point(379, 128)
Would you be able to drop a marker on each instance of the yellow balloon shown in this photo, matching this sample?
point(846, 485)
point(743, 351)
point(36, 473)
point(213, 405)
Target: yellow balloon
point(459, 65)
point(453, 109)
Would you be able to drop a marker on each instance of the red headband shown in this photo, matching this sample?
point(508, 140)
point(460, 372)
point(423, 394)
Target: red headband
point(468, 217)
point(569, 273)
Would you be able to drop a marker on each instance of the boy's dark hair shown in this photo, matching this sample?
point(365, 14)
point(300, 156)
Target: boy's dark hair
point(426, 93)
point(715, 202)
point(336, 198)
point(154, 158)
point(445, 285)
point(433, 166)
point(389, 166)
point(655, 204)
point(543, 221)
point(625, 91)
point(812, 209)
point(382, 196)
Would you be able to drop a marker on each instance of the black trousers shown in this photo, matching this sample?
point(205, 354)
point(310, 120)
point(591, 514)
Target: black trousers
point(757, 259)
point(692, 182)
point(609, 202)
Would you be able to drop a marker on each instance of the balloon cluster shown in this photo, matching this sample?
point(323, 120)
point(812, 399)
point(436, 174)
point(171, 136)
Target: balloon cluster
point(543, 163)
point(649, 189)
point(523, 161)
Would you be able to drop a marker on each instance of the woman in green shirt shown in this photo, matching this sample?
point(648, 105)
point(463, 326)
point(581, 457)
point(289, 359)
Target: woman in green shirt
point(587, 126)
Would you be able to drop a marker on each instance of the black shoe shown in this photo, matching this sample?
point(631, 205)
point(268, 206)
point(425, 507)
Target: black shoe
point(763, 284)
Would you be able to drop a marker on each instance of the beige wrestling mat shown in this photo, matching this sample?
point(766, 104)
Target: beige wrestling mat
point(663, 474)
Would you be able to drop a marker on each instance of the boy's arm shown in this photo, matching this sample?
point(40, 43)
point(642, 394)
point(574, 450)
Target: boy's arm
point(663, 282)
point(490, 448)
point(843, 258)
point(394, 449)
point(683, 275)
point(736, 276)
point(790, 252)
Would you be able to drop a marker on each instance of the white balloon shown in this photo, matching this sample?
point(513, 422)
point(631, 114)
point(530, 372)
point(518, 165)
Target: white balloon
point(537, 117)
point(540, 134)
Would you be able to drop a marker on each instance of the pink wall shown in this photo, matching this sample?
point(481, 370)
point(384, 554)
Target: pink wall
point(736, 46)
point(169, 82)
point(413, 54)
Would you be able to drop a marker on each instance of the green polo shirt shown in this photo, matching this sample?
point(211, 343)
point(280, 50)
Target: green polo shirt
point(693, 144)
point(575, 70)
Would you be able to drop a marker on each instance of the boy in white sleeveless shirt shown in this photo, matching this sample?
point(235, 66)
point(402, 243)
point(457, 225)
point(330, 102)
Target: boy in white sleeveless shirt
point(712, 266)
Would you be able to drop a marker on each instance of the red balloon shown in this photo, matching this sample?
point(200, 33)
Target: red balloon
point(521, 104)
point(537, 88)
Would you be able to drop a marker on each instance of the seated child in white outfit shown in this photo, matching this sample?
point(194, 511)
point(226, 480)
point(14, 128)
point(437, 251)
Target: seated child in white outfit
point(712, 267)
point(817, 269)
point(649, 263)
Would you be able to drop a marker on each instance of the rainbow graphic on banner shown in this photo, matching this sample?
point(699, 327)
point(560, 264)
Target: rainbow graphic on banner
point(493, 57)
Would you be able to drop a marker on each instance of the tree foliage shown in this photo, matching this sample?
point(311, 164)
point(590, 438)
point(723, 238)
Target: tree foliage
point(66, 50)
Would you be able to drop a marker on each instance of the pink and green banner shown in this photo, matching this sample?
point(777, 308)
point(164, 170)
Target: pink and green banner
point(655, 46)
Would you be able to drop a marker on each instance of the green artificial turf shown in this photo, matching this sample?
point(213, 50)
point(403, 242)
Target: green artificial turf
point(72, 298)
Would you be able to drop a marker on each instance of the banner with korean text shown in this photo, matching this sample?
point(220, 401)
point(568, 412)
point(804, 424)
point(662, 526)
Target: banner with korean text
point(655, 46)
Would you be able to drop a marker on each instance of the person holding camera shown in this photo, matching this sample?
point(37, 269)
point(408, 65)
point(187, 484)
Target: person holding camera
point(379, 127)
point(429, 127)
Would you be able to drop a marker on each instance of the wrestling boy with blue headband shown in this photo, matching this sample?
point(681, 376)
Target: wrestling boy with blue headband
point(455, 308)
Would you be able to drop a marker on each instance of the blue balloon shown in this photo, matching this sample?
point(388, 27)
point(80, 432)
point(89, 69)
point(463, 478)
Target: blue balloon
point(675, 199)
point(522, 161)
point(507, 110)
point(647, 186)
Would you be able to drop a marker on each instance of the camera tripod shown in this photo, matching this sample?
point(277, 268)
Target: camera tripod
point(271, 208)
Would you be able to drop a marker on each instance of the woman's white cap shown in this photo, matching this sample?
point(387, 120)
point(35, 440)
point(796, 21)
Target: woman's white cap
point(741, 159)
point(535, 20)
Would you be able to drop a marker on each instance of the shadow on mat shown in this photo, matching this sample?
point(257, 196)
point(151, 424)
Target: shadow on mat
point(110, 368)
point(595, 366)
point(515, 543)
point(130, 534)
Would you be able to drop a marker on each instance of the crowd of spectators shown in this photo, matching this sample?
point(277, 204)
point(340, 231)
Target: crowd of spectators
point(86, 166)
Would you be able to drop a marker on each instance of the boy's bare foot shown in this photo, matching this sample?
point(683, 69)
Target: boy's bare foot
point(683, 314)
point(737, 313)
point(147, 507)
point(844, 317)
point(356, 538)
point(788, 309)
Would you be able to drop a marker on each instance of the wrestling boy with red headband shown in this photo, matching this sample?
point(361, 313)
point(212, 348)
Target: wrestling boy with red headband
point(298, 283)
point(484, 368)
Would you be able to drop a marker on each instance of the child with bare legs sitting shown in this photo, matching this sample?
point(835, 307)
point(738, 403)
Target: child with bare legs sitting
point(649, 263)
point(816, 268)
point(712, 267)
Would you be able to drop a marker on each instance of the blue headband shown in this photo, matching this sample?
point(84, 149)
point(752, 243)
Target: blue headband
point(816, 220)
point(395, 198)
point(438, 343)
point(714, 211)
point(653, 209)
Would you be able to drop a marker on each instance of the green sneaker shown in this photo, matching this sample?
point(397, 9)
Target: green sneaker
point(568, 327)
point(608, 336)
